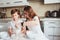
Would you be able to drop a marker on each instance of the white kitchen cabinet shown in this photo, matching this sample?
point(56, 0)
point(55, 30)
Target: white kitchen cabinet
point(4, 24)
point(13, 3)
point(51, 1)
point(56, 38)
point(51, 38)
point(52, 28)
point(57, 31)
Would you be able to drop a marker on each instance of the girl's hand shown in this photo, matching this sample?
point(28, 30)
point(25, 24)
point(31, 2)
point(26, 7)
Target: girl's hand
point(26, 16)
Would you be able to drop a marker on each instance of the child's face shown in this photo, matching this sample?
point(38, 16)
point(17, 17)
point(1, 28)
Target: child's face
point(31, 10)
point(15, 16)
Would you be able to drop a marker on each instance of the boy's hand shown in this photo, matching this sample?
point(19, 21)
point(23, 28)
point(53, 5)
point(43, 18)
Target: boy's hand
point(23, 30)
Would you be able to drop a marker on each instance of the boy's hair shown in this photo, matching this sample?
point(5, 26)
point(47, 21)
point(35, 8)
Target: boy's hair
point(15, 10)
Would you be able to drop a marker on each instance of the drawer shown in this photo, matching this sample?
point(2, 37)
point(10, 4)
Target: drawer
point(56, 38)
point(51, 22)
point(51, 25)
point(57, 31)
point(48, 31)
point(51, 37)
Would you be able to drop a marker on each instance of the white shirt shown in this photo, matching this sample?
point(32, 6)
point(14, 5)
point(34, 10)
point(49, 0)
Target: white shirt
point(35, 32)
point(17, 30)
point(18, 36)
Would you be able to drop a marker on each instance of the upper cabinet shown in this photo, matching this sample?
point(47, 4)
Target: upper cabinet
point(51, 1)
point(12, 3)
point(47, 1)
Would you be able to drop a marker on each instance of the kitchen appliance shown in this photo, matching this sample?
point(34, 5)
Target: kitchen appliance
point(13, 3)
point(54, 14)
point(3, 13)
point(47, 14)
point(59, 13)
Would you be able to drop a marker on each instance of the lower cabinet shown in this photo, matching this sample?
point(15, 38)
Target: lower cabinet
point(56, 38)
point(52, 29)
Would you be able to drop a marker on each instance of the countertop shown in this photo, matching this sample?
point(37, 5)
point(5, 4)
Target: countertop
point(41, 19)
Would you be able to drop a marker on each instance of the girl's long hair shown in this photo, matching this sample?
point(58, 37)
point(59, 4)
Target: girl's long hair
point(27, 9)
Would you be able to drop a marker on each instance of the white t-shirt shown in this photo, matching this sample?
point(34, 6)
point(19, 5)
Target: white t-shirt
point(18, 35)
point(12, 26)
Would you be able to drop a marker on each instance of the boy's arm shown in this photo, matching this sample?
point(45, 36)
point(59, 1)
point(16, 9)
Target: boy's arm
point(10, 31)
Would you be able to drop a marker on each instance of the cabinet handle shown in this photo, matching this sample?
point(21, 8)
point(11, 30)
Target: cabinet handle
point(54, 35)
point(53, 27)
point(51, 22)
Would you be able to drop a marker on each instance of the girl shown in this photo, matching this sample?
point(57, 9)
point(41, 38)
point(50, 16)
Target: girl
point(33, 24)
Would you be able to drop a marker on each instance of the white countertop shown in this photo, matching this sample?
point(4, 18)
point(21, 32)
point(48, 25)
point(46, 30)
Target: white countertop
point(44, 19)
point(41, 19)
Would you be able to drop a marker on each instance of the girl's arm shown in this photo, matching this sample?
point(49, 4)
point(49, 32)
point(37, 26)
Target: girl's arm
point(33, 22)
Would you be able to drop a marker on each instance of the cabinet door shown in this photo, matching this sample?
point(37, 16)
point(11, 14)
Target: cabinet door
point(56, 38)
point(51, 29)
point(50, 23)
point(48, 31)
point(51, 38)
point(57, 31)
point(58, 23)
